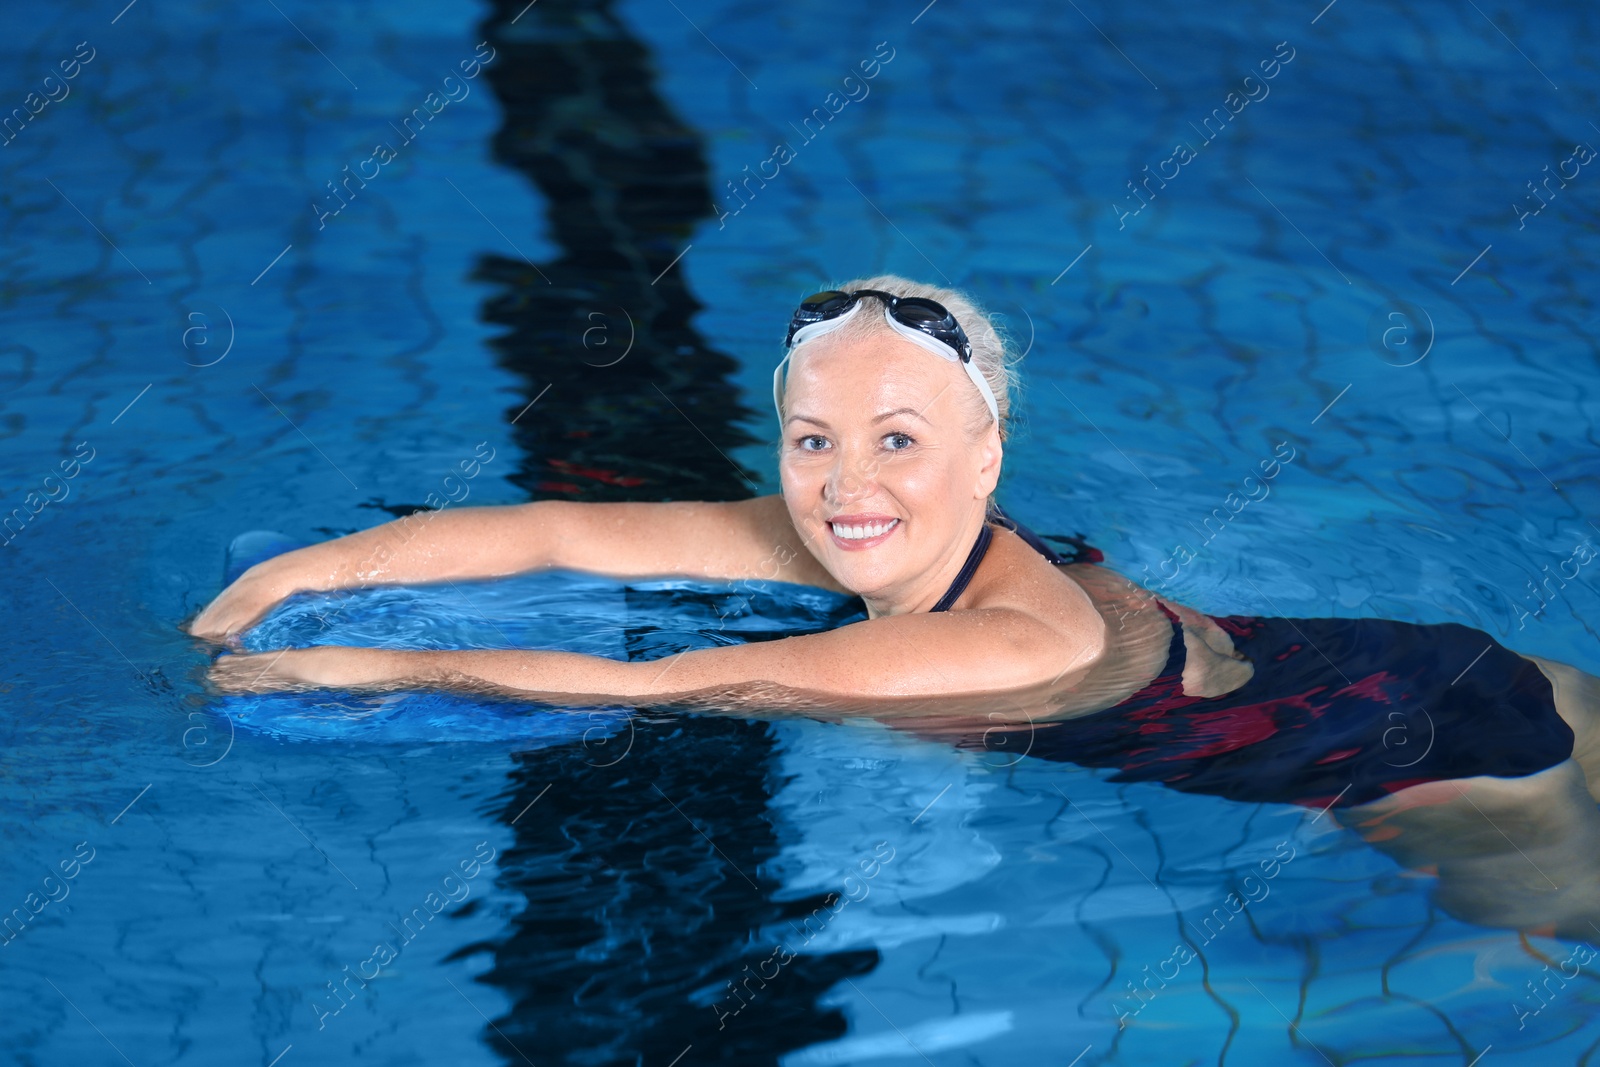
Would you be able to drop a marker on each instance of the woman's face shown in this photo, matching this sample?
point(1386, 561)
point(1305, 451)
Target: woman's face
point(881, 472)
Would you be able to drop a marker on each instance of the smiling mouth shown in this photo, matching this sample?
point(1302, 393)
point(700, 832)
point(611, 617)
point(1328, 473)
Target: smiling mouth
point(862, 531)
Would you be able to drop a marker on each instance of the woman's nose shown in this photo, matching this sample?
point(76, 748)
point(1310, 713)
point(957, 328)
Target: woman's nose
point(854, 476)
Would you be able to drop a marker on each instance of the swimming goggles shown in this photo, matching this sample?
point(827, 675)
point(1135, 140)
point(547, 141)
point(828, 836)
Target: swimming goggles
point(925, 323)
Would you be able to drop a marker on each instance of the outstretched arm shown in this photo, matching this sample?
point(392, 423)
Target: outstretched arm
point(917, 663)
point(739, 539)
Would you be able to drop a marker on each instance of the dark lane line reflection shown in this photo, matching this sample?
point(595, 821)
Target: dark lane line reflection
point(640, 910)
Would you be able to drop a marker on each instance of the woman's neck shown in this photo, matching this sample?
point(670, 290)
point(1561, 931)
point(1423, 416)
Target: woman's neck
point(923, 592)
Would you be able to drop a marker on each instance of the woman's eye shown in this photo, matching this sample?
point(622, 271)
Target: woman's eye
point(897, 442)
point(813, 443)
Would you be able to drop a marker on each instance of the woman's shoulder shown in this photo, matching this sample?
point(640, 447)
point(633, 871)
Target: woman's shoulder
point(1067, 599)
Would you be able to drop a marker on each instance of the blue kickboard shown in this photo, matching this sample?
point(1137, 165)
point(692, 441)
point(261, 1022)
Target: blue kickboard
point(377, 618)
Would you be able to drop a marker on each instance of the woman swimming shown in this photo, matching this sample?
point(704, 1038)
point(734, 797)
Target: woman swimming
point(893, 400)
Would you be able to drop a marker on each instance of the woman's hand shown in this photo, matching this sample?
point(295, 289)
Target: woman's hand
point(238, 607)
point(328, 667)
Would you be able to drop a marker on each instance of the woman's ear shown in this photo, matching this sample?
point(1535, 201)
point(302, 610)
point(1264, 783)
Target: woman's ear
point(991, 454)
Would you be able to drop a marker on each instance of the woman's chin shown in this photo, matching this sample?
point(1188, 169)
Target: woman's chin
point(862, 577)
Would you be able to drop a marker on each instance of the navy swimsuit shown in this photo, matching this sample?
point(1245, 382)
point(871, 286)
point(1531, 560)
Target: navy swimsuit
point(1338, 711)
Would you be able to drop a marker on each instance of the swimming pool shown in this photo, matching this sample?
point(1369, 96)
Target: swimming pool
point(217, 329)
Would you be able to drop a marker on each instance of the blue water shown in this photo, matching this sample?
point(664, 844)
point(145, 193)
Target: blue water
point(163, 211)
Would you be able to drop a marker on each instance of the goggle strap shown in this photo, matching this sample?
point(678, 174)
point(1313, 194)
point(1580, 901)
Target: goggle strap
point(944, 351)
point(983, 387)
point(777, 389)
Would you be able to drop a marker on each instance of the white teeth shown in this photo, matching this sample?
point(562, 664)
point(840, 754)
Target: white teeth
point(861, 533)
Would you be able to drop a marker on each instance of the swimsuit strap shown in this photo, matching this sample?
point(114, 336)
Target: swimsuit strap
point(1177, 653)
point(1082, 551)
point(981, 547)
point(1169, 683)
point(1000, 518)
point(968, 569)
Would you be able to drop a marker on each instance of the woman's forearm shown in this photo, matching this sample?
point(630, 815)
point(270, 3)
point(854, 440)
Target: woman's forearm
point(557, 677)
point(427, 546)
point(562, 677)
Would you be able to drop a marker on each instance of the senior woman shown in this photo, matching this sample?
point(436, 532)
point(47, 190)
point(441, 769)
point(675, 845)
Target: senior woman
point(893, 399)
point(892, 444)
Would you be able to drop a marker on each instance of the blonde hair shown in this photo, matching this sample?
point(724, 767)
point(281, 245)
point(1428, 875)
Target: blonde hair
point(988, 346)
